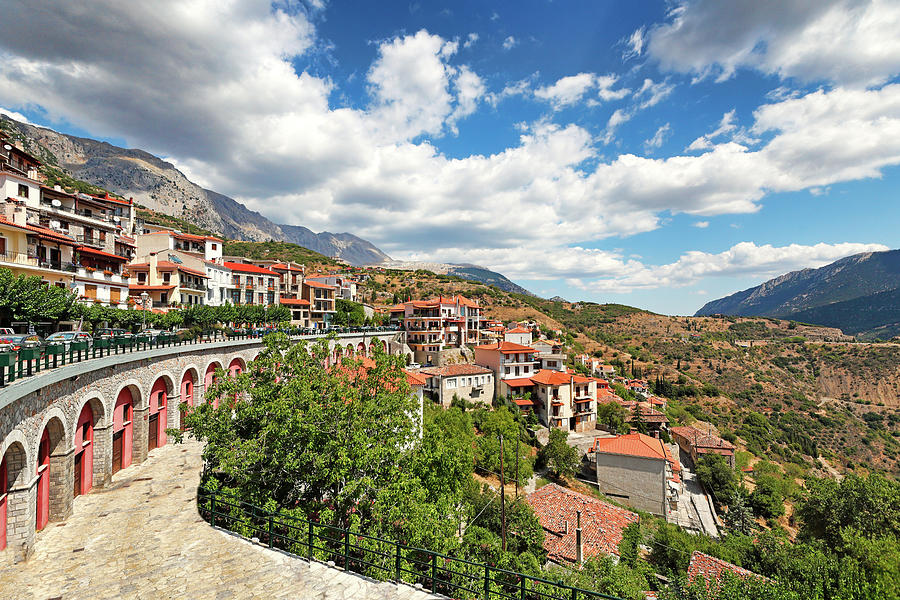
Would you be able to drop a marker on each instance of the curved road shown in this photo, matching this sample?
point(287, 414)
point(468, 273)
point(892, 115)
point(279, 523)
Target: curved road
point(141, 537)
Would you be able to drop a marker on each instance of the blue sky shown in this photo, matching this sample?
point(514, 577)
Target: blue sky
point(659, 154)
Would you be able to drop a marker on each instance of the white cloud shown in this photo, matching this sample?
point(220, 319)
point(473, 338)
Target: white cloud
point(701, 224)
point(470, 40)
point(843, 41)
point(704, 142)
point(14, 115)
point(566, 91)
point(213, 86)
point(634, 45)
point(509, 42)
point(659, 137)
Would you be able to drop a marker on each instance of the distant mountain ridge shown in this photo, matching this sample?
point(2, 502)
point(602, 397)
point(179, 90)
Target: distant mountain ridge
point(161, 187)
point(859, 294)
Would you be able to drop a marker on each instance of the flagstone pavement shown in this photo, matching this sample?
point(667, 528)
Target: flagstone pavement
point(141, 537)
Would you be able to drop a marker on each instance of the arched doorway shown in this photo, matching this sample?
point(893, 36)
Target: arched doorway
point(84, 452)
point(50, 486)
point(187, 393)
point(123, 431)
point(12, 473)
point(235, 367)
point(350, 350)
point(337, 355)
point(156, 431)
point(209, 379)
point(361, 348)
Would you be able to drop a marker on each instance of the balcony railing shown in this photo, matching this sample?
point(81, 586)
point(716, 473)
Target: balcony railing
point(91, 240)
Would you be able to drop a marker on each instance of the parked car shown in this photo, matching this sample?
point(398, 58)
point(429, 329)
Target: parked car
point(7, 331)
point(111, 333)
point(14, 343)
point(151, 333)
point(67, 337)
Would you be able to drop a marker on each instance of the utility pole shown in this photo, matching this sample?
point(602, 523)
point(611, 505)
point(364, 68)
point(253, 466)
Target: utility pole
point(502, 497)
point(517, 466)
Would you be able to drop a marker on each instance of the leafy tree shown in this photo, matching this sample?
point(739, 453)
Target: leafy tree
point(739, 517)
point(29, 299)
point(559, 456)
point(348, 313)
point(766, 499)
point(717, 476)
point(487, 448)
point(614, 416)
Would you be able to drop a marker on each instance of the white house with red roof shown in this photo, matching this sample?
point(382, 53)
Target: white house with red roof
point(252, 284)
point(578, 527)
point(168, 281)
point(508, 361)
point(640, 470)
point(472, 383)
point(438, 324)
point(518, 335)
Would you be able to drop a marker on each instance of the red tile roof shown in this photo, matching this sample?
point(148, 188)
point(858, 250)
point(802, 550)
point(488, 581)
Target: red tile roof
point(506, 348)
point(246, 268)
point(711, 569)
point(700, 439)
point(519, 382)
point(416, 378)
point(519, 330)
point(150, 288)
point(453, 370)
point(549, 377)
point(317, 284)
point(89, 250)
point(636, 444)
point(601, 523)
point(294, 302)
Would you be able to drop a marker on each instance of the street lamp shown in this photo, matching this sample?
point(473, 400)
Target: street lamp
point(144, 298)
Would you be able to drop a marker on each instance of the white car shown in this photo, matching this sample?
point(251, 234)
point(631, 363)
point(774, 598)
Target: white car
point(67, 337)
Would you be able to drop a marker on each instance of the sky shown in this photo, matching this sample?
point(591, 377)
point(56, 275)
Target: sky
point(659, 154)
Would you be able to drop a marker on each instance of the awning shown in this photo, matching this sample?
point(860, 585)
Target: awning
point(89, 250)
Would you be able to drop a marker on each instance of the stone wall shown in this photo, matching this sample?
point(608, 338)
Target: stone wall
point(637, 481)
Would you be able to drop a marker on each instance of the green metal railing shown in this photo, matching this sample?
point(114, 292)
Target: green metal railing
point(378, 558)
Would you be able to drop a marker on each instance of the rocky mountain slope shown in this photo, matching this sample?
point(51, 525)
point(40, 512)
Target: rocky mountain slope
point(857, 294)
point(161, 187)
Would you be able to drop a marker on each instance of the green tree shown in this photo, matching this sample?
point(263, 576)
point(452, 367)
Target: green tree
point(348, 313)
point(766, 498)
point(613, 416)
point(739, 516)
point(29, 299)
point(558, 455)
point(487, 448)
point(717, 476)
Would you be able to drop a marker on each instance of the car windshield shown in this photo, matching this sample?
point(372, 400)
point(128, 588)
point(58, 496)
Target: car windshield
point(15, 338)
point(61, 336)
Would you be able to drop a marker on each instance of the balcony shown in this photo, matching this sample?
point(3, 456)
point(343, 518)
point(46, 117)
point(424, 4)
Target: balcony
point(200, 287)
point(91, 240)
point(81, 216)
point(99, 275)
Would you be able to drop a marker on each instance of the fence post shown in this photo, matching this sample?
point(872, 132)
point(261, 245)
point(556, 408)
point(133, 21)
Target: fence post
point(212, 508)
point(574, 593)
point(346, 549)
point(310, 541)
point(270, 531)
point(397, 563)
point(487, 582)
point(522, 587)
point(433, 572)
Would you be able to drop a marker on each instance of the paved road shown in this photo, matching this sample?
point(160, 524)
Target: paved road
point(142, 538)
point(694, 511)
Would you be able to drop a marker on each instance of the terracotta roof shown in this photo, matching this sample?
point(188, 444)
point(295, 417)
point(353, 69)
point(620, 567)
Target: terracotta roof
point(317, 284)
point(294, 302)
point(635, 444)
point(89, 250)
point(519, 382)
point(701, 439)
point(549, 377)
point(416, 378)
point(651, 415)
point(523, 402)
point(246, 268)
point(711, 569)
point(601, 523)
point(519, 330)
point(452, 370)
point(506, 347)
point(48, 234)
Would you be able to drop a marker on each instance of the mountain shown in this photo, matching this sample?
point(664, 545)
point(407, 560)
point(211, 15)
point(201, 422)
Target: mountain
point(161, 187)
point(486, 276)
point(858, 294)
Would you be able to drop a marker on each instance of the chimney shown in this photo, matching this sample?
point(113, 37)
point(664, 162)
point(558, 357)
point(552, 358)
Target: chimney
point(579, 551)
point(153, 275)
point(566, 528)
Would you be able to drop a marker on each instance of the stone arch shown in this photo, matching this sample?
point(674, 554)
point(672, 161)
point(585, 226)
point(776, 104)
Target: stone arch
point(17, 438)
point(209, 378)
point(237, 365)
point(361, 348)
point(168, 378)
point(190, 374)
point(84, 442)
point(98, 407)
point(158, 410)
point(53, 467)
point(350, 350)
point(14, 476)
point(124, 450)
point(138, 397)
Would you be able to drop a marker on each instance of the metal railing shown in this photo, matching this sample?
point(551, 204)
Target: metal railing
point(379, 558)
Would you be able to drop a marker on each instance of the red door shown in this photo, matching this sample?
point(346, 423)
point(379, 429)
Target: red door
point(84, 451)
point(122, 431)
point(3, 502)
point(234, 368)
point(158, 399)
point(43, 484)
point(187, 393)
point(209, 378)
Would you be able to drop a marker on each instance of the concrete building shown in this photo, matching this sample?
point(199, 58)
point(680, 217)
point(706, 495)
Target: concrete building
point(345, 285)
point(299, 311)
point(508, 361)
point(19, 250)
point(698, 443)
point(639, 470)
point(251, 284)
point(550, 355)
point(468, 382)
point(321, 298)
point(168, 282)
point(518, 335)
point(438, 324)
point(207, 247)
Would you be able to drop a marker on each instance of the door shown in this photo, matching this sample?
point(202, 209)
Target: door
point(79, 473)
point(152, 442)
point(115, 295)
point(118, 438)
point(43, 484)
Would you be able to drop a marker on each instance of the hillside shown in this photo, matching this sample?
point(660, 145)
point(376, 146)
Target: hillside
point(159, 186)
point(853, 294)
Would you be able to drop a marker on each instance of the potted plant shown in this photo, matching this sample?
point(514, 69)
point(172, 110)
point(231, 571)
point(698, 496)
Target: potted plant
point(90, 269)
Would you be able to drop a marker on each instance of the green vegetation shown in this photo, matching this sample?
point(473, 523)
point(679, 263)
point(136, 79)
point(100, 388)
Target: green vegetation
point(272, 250)
point(158, 218)
point(29, 299)
point(561, 458)
point(348, 313)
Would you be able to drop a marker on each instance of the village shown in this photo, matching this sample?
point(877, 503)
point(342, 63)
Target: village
point(98, 248)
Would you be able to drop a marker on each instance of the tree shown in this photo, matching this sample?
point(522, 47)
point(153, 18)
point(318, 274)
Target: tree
point(559, 456)
point(28, 298)
point(766, 499)
point(739, 516)
point(717, 476)
point(613, 415)
point(348, 313)
point(637, 420)
point(487, 446)
point(336, 443)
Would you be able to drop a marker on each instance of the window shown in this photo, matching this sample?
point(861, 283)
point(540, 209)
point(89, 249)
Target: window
point(451, 384)
point(167, 277)
point(142, 277)
point(164, 298)
point(23, 191)
point(215, 246)
point(2, 245)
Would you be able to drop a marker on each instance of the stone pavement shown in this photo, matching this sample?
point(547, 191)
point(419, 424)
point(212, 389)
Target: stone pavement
point(141, 537)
